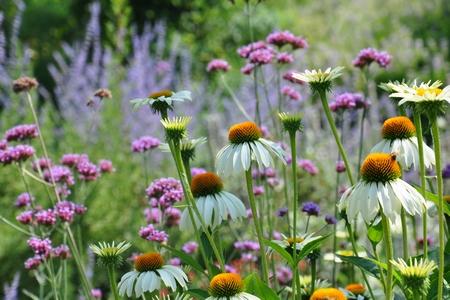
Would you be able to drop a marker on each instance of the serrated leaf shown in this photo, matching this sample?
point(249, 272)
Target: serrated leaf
point(255, 286)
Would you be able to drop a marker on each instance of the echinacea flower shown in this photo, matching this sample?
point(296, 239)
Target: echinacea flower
point(399, 136)
point(162, 101)
point(228, 286)
point(110, 253)
point(328, 294)
point(292, 122)
point(187, 147)
point(306, 284)
point(380, 187)
point(415, 274)
point(215, 204)
point(150, 274)
point(175, 128)
point(298, 243)
point(319, 81)
point(428, 94)
point(356, 288)
point(246, 145)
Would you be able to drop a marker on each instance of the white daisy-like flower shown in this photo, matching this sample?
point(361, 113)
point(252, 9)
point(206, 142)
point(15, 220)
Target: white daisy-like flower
point(381, 188)
point(415, 274)
point(228, 286)
point(424, 92)
point(399, 136)
point(317, 76)
point(246, 145)
point(151, 274)
point(289, 243)
point(109, 253)
point(162, 100)
point(214, 204)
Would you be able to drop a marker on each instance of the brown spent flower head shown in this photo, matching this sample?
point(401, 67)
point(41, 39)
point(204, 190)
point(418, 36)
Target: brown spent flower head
point(148, 262)
point(398, 128)
point(24, 84)
point(161, 93)
point(380, 167)
point(206, 184)
point(103, 93)
point(356, 288)
point(244, 132)
point(226, 285)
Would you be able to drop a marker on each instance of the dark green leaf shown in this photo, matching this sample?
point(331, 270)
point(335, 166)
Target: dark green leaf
point(364, 264)
point(280, 250)
point(198, 293)
point(255, 286)
point(311, 246)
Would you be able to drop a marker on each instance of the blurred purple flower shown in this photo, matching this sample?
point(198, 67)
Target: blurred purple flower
point(21, 132)
point(308, 166)
point(216, 65)
point(311, 208)
point(144, 144)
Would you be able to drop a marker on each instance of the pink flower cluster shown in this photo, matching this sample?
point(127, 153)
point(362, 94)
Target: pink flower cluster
point(290, 93)
point(64, 210)
point(18, 153)
point(284, 275)
point(43, 249)
point(171, 215)
point(149, 233)
point(164, 192)
point(21, 132)
point(246, 245)
point(41, 164)
point(87, 170)
point(144, 143)
point(369, 55)
point(308, 166)
point(346, 101)
point(282, 38)
point(268, 174)
point(216, 65)
point(24, 200)
point(190, 247)
point(61, 174)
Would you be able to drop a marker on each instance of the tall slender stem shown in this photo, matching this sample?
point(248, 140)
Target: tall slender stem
point(389, 256)
point(251, 198)
point(112, 282)
point(440, 193)
point(294, 207)
point(419, 133)
point(404, 233)
point(190, 198)
point(334, 130)
point(313, 274)
point(257, 109)
point(235, 98)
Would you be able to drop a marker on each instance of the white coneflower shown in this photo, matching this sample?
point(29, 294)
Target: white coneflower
point(162, 101)
point(424, 92)
point(150, 274)
point(380, 187)
point(228, 286)
point(415, 274)
point(109, 253)
point(246, 145)
point(175, 128)
point(299, 242)
point(213, 202)
point(319, 80)
point(187, 147)
point(399, 136)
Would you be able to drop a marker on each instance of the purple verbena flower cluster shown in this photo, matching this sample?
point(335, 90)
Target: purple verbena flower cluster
point(369, 55)
point(21, 132)
point(144, 144)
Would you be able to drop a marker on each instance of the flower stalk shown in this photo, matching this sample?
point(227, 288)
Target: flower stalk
point(389, 256)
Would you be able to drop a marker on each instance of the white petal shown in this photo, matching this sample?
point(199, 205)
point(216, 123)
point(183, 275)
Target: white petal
point(167, 278)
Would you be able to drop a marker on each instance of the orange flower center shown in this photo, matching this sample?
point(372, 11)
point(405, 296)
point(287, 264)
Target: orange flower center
point(293, 240)
point(356, 288)
point(398, 128)
point(244, 132)
point(433, 91)
point(148, 262)
point(380, 167)
point(161, 93)
point(206, 184)
point(226, 285)
point(328, 294)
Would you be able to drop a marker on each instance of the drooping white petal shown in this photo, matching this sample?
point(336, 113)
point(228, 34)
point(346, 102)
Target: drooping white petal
point(167, 278)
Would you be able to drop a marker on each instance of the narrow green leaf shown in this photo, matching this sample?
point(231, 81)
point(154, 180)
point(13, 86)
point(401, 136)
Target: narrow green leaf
point(186, 259)
point(255, 286)
point(311, 246)
point(280, 250)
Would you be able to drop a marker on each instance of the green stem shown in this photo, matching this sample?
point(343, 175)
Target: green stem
point(334, 130)
point(440, 193)
point(251, 198)
point(235, 98)
point(404, 233)
point(361, 139)
point(51, 274)
point(380, 269)
point(313, 275)
point(257, 109)
point(294, 207)
point(112, 282)
point(419, 134)
point(190, 198)
point(389, 256)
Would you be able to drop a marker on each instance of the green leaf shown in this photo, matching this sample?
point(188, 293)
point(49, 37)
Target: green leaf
point(375, 233)
point(255, 286)
point(198, 293)
point(280, 250)
point(434, 198)
point(364, 264)
point(311, 246)
point(186, 259)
